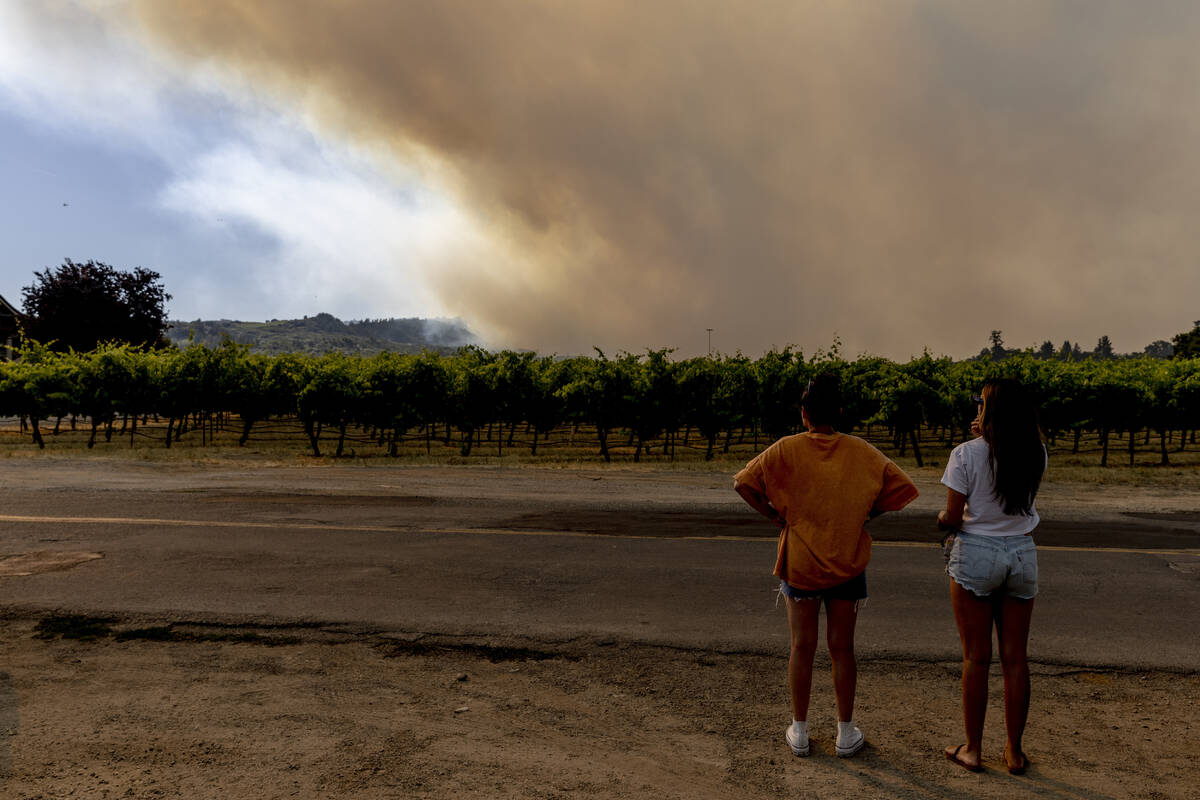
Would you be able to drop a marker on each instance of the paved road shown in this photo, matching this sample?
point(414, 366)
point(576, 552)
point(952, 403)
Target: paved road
point(668, 558)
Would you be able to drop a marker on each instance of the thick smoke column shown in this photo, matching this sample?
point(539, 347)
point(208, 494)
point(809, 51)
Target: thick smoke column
point(901, 173)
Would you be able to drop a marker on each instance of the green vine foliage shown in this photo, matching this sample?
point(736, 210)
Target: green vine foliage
point(652, 397)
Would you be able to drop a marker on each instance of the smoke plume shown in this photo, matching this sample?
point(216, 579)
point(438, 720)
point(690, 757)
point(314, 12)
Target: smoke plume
point(901, 174)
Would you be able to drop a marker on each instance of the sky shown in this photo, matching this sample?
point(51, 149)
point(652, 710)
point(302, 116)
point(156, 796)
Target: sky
point(893, 175)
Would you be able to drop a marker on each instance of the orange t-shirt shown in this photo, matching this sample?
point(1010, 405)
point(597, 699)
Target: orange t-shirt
point(825, 486)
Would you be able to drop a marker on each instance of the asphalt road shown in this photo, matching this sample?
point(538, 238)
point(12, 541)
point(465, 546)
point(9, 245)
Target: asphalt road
point(663, 558)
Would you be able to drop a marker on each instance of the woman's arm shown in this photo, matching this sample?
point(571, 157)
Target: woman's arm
point(759, 502)
point(951, 517)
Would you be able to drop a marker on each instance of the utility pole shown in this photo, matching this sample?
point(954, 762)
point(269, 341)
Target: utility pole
point(710, 330)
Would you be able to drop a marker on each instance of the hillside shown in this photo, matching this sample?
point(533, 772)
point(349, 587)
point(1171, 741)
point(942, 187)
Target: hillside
point(325, 333)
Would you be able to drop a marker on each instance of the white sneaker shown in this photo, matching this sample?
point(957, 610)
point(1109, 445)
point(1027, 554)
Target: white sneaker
point(854, 742)
point(798, 742)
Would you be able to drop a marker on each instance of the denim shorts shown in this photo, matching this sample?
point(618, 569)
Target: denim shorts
point(853, 589)
point(986, 565)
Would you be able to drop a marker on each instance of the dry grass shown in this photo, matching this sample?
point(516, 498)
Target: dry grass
point(282, 442)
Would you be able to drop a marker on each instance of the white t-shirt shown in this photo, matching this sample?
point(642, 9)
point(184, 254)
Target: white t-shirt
point(969, 472)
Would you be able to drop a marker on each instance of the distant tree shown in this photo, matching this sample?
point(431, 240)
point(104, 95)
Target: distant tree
point(997, 348)
point(1064, 353)
point(1046, 351)
point(80, 305)
point(1187, 344)
point(1103, 349)
point(1160, 349)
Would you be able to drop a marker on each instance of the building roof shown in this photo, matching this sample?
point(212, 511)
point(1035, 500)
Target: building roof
point(8, 319)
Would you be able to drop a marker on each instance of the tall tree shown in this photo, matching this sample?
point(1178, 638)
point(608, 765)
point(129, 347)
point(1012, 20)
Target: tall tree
point(1104, 348)
point(81, 305)
point(1046, 351)
point(997, 348)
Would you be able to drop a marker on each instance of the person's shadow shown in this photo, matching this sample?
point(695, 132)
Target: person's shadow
point(877, 775)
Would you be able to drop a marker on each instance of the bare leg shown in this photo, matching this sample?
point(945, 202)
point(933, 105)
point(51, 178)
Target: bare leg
point(802, 623)
point(974, 618)
point(1012, 629)
point(840, 618)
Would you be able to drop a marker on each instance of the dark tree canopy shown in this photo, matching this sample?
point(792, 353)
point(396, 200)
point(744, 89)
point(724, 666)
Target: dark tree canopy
point(79, 305)
point(1187, 343)
point(1160, 348)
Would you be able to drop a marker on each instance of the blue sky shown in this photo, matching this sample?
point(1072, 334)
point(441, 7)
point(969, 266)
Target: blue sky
point(84, 198)
point(114, 154)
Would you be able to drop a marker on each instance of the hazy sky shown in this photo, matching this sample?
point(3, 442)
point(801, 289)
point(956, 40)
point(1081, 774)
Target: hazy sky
point(897, 173)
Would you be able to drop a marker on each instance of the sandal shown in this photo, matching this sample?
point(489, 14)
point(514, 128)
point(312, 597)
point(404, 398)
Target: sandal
point(953, 756)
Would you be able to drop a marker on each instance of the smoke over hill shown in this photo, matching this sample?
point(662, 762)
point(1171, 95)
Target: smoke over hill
point(325, 333)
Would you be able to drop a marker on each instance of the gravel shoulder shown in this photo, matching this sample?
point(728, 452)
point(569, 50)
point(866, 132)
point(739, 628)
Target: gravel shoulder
point(208, 712)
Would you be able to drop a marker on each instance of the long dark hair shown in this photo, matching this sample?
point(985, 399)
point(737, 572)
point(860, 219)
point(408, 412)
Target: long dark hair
point(1010, 427)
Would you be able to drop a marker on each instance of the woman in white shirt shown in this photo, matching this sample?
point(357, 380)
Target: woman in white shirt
point(991, 483)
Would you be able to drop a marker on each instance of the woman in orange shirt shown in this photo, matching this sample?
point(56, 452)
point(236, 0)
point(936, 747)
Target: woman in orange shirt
point(820, 488)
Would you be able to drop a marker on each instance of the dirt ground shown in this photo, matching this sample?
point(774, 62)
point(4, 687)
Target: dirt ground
point(149, 709)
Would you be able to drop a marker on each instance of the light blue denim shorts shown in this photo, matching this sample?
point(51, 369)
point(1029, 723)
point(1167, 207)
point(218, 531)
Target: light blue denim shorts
point(985, 565)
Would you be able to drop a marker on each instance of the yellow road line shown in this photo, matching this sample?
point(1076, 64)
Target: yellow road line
point(1065, 549)
point(1123, 550)
point(194, 523)
point(306, 526)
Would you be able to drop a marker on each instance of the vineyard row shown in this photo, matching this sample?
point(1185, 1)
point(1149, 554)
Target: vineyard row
point(631, 402)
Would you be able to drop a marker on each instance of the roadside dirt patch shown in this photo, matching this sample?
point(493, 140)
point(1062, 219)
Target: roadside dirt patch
point(202, 712)
point(40, 561)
